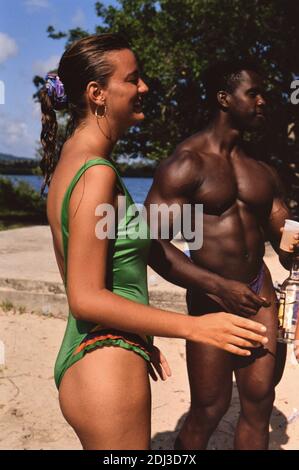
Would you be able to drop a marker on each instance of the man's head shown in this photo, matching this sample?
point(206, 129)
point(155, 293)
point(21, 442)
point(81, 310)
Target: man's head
point(236, 88)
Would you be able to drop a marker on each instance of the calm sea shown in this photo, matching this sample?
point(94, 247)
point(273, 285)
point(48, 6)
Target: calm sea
point(137, 187)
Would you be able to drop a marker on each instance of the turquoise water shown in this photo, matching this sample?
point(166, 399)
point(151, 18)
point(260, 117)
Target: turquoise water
point(138, 187)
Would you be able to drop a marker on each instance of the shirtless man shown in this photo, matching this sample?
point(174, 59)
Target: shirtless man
point(243, 207)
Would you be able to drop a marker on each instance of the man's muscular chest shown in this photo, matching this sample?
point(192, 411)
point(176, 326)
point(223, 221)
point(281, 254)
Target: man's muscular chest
point(227, 182)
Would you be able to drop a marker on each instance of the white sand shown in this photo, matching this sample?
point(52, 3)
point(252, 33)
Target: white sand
point(30, 417)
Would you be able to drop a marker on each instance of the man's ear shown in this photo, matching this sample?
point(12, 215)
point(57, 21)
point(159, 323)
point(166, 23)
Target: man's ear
point(223, 98)
point(95, 93)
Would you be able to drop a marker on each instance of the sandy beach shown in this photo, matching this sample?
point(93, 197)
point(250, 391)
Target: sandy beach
point(30, 417)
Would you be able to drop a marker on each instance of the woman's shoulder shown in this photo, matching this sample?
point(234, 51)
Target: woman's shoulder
point(78, 175)
point(72, 165)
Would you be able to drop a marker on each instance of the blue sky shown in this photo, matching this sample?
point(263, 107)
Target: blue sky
point(26, 50)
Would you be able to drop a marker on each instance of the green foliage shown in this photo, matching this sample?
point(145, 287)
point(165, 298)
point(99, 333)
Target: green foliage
point(176, 40)
point(22, 199)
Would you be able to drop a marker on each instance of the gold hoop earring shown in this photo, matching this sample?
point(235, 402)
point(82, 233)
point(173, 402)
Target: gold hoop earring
point(103, 114)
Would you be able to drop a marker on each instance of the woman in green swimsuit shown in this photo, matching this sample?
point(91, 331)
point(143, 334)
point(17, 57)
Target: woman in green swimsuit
point(104, 391)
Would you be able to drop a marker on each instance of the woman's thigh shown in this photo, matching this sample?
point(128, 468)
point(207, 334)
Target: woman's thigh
point(106, 398)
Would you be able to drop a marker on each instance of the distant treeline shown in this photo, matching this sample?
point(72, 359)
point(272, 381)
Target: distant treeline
point(137, 170)
point(19, 167)
point(31, 167)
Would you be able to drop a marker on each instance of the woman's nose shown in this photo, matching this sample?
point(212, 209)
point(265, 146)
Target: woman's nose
point(142, 88)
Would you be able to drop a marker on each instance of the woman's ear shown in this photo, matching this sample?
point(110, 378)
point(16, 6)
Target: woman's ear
point(223, 98)
point(95, 93)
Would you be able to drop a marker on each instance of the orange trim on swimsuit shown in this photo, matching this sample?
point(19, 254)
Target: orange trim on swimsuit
point(107, 336)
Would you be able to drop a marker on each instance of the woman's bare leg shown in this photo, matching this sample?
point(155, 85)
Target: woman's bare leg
point(106, 398)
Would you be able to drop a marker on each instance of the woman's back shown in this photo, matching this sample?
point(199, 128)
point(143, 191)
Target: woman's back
point(68, 165)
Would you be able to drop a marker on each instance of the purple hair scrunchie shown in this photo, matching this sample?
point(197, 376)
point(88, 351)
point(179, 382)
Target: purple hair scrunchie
point(55, 89)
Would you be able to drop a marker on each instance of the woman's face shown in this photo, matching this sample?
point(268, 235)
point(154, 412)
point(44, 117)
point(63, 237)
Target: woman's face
point(125, 90)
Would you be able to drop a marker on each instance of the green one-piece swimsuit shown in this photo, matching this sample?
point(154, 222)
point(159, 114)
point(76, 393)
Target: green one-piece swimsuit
point(127, 276)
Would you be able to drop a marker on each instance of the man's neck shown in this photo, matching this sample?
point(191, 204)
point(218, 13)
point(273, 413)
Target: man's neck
point(222, 135)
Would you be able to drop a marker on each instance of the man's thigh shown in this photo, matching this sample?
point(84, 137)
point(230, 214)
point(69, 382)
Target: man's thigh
point(257, 375)
point(209, 368)
point(210, 375)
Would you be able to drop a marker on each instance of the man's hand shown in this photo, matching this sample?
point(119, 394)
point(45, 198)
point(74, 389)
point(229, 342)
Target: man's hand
point(286, 257)
point(294, 246)
point(239, 298)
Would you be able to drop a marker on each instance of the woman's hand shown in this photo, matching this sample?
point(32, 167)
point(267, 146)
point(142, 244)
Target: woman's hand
point(230, 332)
point(158, 364)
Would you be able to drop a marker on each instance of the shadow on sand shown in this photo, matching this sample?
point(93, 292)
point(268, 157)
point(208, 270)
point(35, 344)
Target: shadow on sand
point(223, 437)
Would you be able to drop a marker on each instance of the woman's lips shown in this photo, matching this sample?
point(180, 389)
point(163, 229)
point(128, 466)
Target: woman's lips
point(138, 106)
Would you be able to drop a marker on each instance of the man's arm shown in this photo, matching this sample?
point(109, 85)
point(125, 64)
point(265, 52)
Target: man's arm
point(176, 180)
point(279, 214)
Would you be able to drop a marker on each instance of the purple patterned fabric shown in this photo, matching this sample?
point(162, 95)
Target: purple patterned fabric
point(55, 88)
point(257, 283)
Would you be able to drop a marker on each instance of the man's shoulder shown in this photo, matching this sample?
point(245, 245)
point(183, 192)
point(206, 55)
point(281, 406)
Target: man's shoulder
point(182, 170)
point(247, 157)
point(183, 165)
point(188, 155)
point(270, 169)
point(273, 176)
point(268, 172)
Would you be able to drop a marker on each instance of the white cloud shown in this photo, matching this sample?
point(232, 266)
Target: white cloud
point(42, 67)
point(8, 47)
point(79, 18)
point(36, 4)
point(15, 137)
point(35, 107)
